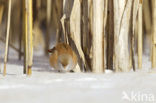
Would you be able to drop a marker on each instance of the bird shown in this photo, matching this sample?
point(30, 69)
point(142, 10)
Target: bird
point(62, 58)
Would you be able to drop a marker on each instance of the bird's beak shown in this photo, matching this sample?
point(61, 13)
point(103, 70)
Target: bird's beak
point(51, 50)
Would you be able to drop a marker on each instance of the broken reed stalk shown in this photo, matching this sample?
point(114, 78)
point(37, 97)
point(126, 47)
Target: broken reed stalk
point(140, 35)
point(68, 24)
point(11, 45)
point(75, 31)
point(65, 21)
point(29, 38)
point(154, 37)
point(7, 37)
point(63, 27)
point(25, 36)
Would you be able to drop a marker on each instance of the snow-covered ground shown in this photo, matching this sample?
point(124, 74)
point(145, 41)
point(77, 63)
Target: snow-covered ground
point(46, 86)
point(49, 87)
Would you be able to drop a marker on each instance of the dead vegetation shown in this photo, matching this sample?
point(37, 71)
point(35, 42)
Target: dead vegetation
point(105, 34)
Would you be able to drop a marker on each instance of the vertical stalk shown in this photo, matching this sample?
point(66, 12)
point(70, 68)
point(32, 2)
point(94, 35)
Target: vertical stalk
point(48, 24)
point(30, 43)
point(84, 25)
point(110, 37)
point(134, 22)
point(85, 32)
point(25, 37)
point(1, 15)
point(154, 37)
point(7, 38)
point(105, 12)
point(147, 15)
point(140, 36)
point(21, 31)
point(1, 12)
point(122, 18)
point(98, 14)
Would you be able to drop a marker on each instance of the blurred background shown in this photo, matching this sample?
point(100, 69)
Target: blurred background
point(48, 28)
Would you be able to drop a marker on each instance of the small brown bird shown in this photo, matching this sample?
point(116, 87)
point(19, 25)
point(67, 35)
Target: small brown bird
point(62, 57)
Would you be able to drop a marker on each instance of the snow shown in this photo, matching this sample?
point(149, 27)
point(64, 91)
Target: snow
point(50, 87)
point(47, 86)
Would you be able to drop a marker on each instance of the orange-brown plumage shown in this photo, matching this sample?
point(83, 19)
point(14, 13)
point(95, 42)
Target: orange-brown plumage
point(62, 57)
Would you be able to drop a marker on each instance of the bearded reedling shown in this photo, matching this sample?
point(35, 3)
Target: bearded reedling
point(62, 57)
